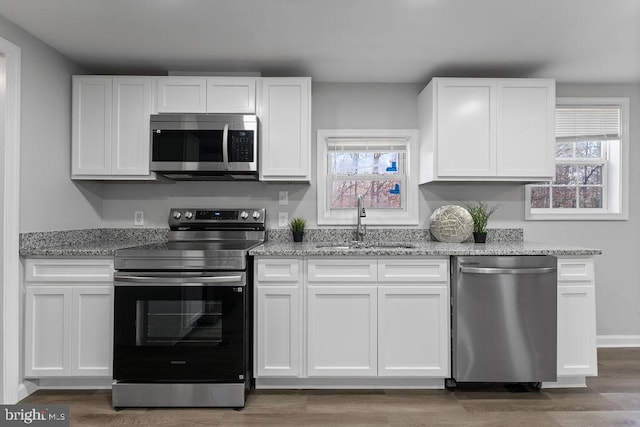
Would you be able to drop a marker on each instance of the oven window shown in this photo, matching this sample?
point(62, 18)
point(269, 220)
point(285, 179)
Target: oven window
point(171, 323)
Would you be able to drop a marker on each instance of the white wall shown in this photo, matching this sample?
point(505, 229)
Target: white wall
point(394, 106)
point(49, 200)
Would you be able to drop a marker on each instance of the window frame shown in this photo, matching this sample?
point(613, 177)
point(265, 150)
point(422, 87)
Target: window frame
point(620, 211)
point(408, 215)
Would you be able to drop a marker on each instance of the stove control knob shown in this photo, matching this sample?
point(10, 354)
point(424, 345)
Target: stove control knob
point(177, 215)
point(244, 215)
point(256, 215)
point(188, 214)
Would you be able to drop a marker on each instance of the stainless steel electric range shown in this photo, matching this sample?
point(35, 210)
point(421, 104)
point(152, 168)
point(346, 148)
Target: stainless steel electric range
point(183, 312)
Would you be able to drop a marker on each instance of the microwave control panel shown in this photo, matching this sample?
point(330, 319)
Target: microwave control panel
point(241, 146)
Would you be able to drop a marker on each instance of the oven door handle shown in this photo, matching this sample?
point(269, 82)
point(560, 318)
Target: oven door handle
point(182, 280)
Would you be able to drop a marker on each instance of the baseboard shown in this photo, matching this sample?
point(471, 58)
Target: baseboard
point(349, 383)
point(25, 389)
point(618, 341)
point(567, 382)
point(75, 383)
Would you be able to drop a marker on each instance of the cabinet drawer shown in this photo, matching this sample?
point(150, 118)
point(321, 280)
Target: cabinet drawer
point(278, 270)
point(413, 270)
point(575, 270)
point(342, 270)
point(68, 270)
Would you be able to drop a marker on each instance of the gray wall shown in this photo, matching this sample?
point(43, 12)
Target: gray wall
point(49, 200)
point(379, 106)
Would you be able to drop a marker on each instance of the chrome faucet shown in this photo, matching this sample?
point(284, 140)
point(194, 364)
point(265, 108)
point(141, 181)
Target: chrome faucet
point(361, 229)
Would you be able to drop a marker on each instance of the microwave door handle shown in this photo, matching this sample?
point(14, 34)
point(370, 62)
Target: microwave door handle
point(225, 146)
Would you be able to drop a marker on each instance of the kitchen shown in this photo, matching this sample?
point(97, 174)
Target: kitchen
point(339, 102)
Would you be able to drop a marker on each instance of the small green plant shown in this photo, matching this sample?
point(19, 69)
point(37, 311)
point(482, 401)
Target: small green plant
point(480, 212)
point(296, 225)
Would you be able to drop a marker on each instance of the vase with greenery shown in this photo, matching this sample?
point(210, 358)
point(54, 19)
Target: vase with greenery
point(480, 212)
point(296, 225)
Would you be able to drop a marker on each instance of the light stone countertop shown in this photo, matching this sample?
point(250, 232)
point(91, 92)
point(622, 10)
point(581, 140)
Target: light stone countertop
point(87, 243)
point(104, 243)
point(423, 248)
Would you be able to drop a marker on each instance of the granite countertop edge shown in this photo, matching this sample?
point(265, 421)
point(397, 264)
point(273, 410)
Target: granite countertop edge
point(425, 249)
point(105, 242)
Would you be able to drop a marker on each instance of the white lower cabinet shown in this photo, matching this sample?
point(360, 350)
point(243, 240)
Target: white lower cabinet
point(278, 317)
point(68, 317)
point(413, 331)
point(322, 318)
point(342, 331)
point(577, 351)
point(278, 331)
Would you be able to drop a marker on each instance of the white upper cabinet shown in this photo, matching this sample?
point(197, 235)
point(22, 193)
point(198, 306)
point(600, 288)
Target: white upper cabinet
point(525, 129)
point(110, 127)
point(130, 127)
point(189, 94)
point(231, 95)
point(487, 130)
point(182, 95)
point(284, 110)
point(91, 125)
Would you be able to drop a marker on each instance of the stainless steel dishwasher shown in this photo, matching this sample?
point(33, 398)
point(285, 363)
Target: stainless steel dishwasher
point(504, 319)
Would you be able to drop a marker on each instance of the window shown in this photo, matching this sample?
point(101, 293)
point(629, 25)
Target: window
point(591, 181)
point(375, 164)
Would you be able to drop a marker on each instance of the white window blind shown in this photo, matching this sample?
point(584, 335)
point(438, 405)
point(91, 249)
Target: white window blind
point(580, 123)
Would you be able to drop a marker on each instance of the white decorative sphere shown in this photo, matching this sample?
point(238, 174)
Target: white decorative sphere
point(451, 224)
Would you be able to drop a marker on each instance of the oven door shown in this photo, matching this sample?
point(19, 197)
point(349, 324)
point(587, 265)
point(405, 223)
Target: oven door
point(180, 327)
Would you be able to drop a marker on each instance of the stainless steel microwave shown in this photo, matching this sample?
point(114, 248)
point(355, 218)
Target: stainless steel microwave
point(205, 146)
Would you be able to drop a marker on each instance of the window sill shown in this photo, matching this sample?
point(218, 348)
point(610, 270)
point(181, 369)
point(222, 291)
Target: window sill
point(576, 216)
point(370, 219)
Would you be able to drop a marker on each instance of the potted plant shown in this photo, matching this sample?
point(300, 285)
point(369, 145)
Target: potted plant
point(296, 225)
point(480, 212)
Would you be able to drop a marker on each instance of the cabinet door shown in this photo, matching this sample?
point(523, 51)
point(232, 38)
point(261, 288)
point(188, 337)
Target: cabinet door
point(577, 330)
point(47, 343)
point(182, 95)
point(91, 126)
point(526, 128)
point(278, 329)
point(466, 124)
point(342, 331)
point(285, 124)
point(92, 331)
point(231, 95)
point(130, 135)
point(413, 331)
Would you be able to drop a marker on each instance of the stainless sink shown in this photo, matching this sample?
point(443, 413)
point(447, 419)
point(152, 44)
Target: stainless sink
point(365, 245)
point(333, 245)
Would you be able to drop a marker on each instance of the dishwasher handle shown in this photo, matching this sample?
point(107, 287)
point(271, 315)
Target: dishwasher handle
point(493, 270)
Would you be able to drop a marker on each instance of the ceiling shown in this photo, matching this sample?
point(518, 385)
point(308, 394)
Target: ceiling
point(408, 41)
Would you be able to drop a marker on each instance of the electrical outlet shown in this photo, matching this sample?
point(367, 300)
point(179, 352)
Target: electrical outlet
point(138, 218)
point(283, 219)
point(283, 198)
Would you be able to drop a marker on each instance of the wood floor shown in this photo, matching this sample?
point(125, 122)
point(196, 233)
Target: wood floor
point(613, 398)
